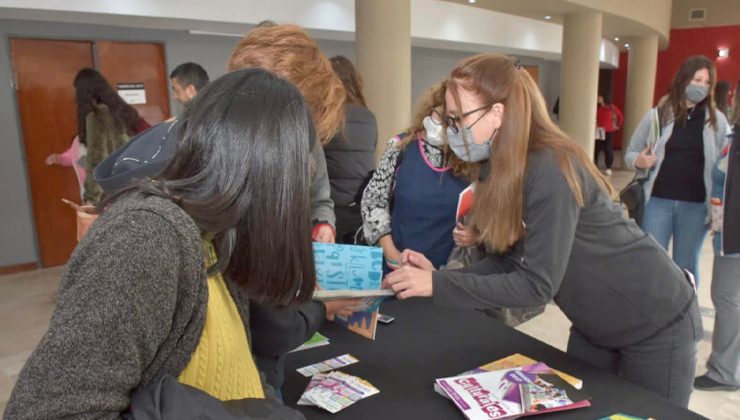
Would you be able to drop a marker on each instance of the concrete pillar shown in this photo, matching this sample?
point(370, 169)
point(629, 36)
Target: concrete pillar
point(579, 77)
point(383, 38)
point(641, 69)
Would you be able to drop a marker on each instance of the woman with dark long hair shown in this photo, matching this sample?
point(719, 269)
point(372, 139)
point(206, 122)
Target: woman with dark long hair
point(158, 287)
point(350, 156)
point(553, 231)
point(104, 123)
point(675, 147)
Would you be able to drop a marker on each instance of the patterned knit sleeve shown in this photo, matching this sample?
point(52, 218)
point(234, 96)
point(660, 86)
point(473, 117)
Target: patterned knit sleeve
point(375, 206)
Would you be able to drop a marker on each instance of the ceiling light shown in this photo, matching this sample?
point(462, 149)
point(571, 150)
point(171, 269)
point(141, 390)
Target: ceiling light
point(616, 38)
point(471, 1)
point(723, 52)
point(548, 17)
point(626, 45)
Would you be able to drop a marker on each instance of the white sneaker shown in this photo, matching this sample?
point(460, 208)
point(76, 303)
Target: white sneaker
point(608, 172)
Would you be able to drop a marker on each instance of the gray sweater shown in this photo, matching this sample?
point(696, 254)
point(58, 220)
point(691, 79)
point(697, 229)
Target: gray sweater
point(130, 310)
point(614, 282)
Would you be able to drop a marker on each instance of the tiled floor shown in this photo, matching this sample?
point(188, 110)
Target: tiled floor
point(27, 299)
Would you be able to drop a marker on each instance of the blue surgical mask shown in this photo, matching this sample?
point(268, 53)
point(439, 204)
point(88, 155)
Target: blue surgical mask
point(474, 152)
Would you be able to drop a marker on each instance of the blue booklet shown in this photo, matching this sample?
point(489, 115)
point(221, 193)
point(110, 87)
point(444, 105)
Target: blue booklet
point(350, 271)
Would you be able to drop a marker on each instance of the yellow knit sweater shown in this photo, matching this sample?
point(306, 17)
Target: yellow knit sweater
point(222, 364)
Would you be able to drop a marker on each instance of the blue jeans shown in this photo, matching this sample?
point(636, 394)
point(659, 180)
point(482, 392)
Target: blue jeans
point(682, 220)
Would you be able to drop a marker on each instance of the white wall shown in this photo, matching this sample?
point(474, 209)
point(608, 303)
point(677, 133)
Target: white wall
point(17, 237)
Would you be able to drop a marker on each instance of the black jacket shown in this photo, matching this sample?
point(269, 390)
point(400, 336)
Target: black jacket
point(275, 332)
point(350, 157)
point(731, 222)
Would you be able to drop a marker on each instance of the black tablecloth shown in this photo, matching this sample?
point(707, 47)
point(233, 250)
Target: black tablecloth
point(427, 341)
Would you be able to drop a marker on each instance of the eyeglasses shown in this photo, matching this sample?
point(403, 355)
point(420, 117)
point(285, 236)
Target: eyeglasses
point(452, 121)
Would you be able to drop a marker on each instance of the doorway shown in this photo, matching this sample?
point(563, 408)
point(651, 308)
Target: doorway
point(43, 72)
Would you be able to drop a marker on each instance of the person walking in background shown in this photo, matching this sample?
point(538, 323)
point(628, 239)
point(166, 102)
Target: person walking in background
point(187, 79)
point(350, 156)
point(723, 366)
point(675, 146)
point(75, 157)
point(610, 118)
point(411, 199)
point(104, 123)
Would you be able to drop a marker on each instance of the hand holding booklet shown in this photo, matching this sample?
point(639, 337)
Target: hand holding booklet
point(352, 271)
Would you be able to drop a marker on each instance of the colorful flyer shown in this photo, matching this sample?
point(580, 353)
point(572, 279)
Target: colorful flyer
point(327, 365)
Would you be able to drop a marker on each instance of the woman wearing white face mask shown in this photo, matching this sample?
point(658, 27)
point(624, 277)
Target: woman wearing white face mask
point(411, 199)
point(678, 159)
point(548, 218)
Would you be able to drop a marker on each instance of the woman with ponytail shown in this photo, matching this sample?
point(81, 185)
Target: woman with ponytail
point(554, 232)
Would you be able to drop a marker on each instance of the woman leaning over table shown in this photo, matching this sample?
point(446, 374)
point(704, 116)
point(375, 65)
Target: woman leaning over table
point(553, 230)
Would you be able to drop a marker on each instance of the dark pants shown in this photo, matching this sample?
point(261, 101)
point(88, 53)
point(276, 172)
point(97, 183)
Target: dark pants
point(607, 145)
point(349, 219)
point(663, 363)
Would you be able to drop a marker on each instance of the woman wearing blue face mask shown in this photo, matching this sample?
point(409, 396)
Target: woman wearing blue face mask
point(553, 231)
point(677, 160)
point(411, 199)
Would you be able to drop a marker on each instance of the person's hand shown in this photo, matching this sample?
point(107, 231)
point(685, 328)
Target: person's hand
point(52, 159)
point(464, 236)
point(392, 258)
point(416, 259)
point(341, 307)
point(325, 234)
point(645, 160)
point(409, 281)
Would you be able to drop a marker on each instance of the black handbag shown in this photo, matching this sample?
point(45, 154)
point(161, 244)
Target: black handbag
point(633, 197)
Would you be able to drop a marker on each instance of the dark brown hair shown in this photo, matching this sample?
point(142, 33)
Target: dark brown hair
point(351, 80)
point(92, 89)
point(499, 205)
point(674, 108)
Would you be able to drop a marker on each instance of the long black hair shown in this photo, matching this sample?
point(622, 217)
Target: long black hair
point(241, 172)
point(91, 89)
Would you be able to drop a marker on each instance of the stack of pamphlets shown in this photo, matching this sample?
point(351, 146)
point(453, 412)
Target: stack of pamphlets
point(336, 391)
point(511, 392)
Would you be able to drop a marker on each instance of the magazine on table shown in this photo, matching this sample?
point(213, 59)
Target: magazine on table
point(511, 392)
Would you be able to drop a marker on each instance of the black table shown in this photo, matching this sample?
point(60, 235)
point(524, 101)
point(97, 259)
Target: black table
point(427, 341)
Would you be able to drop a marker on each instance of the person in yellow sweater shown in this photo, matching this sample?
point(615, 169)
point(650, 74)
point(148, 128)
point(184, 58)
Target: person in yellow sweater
point(158, 287)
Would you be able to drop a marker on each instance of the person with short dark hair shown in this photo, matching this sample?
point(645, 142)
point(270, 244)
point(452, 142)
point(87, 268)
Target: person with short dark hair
point(187, 80)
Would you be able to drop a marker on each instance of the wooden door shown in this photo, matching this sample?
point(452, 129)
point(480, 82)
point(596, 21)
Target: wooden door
point(533, 71)
point(127, 62)
point(44, 71)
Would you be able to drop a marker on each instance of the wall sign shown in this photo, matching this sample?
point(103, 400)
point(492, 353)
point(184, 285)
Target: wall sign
point(132, 93)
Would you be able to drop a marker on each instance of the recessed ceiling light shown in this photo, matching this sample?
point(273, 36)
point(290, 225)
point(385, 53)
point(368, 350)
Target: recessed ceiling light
point(626, 45)
point(471, 1)
point(616, 38)
point(548, 17)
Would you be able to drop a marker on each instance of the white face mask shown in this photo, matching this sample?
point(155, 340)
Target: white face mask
point(434, 131)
